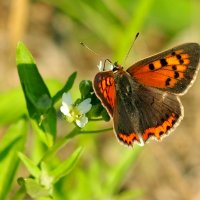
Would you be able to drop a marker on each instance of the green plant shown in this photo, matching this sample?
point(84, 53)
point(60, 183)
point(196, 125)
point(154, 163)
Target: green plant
point(47, 174)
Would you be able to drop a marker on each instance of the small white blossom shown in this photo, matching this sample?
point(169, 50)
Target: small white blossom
point(66, 104)
point(75, 112)
point(82, 121)
point(84, 106)
point(101, 67)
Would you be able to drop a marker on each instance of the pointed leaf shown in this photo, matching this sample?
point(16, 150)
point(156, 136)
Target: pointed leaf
point(36, 93)
point(66, 166)
point(34, 189)
point(38, 99)
point(30, 165)
point(68, 85)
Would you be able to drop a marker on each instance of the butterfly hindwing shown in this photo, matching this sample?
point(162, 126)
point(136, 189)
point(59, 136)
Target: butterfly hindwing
point(143, 112)
point(173, 70)
point(104, 87)
point(159, 112)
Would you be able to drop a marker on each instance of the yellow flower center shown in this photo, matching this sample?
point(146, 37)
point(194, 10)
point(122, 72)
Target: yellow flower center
point(75, 114)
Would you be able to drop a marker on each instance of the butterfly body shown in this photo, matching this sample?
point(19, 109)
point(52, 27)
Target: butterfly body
point(143, 101)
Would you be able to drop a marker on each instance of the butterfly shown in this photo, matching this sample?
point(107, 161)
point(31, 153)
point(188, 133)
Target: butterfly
point(144, 100)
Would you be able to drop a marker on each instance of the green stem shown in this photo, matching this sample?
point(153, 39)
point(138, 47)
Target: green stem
point(99, 119)
point(96, 131)
point(60, 144)
point(64, 141)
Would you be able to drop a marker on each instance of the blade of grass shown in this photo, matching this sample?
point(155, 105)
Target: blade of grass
point(117, 174)
point(13, 141)
point(84, 17)
point(134, 26)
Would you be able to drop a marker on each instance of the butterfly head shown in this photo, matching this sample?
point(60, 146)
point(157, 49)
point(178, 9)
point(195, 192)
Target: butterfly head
point(116, 67)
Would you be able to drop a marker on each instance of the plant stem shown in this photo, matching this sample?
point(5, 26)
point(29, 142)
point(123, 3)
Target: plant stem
point(58, 145)
point(96, 131)
point(99, 119)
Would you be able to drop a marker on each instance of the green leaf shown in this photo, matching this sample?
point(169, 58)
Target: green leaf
point(38, 99)
point(66, 166)
point(9, 112)
point(105, 115)
point(48, 123)
point(12, 142)
point(35, 189)
point(30, 165)
point(59, 144)
point(36, 93)
point(68, 85)
point(40, 141)
point(85, 88)
point(95, 111)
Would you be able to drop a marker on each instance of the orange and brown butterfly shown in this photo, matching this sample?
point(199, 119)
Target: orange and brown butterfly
point(144, 100)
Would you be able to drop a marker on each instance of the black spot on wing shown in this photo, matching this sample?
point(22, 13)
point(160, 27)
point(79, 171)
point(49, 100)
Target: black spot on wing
point(174, 67)
point(163, 62)
point(178, 56)
point(151, 66)
point(176, 74)
point(167, 82)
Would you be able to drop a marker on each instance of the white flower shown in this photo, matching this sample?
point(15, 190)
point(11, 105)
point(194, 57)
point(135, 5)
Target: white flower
point(101, 67)
point(75, 112)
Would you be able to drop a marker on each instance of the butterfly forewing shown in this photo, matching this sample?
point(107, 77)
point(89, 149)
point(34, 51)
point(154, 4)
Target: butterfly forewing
point(172, 70)
point(104, 87)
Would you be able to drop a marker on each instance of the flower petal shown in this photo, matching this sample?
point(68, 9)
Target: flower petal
point(67, 99)
point(82, 121)
point(100, 66)
point(65, 110)
point(84, 106)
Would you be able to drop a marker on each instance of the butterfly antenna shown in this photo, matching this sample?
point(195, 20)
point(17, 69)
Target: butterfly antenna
point(136, 36)
point(84, 45)
point(105, 60)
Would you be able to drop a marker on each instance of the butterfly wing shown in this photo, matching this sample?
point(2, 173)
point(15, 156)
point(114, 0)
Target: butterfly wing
point(173, 70)
point(143, 112)
point(104, 87)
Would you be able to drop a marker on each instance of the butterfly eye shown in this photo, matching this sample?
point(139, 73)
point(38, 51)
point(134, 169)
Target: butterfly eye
point(115, 68)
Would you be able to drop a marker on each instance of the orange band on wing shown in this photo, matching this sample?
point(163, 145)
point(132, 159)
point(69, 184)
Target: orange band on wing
point(158, 131)
point(128, 139)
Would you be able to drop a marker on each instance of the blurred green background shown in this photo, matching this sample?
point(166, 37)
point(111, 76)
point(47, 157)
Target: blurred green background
point(52, 30)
